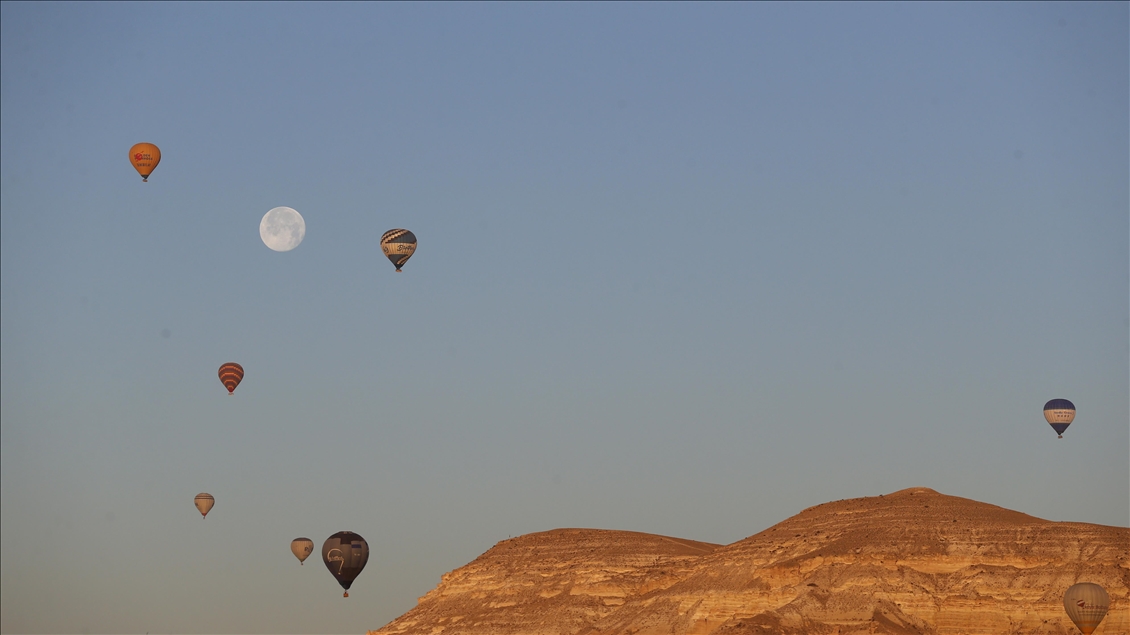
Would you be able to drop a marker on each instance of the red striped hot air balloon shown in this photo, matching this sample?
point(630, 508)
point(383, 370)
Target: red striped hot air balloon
point(231, 374)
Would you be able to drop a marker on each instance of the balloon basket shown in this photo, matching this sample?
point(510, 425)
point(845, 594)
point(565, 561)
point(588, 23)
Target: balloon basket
point(345, 595)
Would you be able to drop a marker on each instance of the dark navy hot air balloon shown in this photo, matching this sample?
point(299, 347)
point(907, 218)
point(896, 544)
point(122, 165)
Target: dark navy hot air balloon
point(1059, 413)
point(345, 554)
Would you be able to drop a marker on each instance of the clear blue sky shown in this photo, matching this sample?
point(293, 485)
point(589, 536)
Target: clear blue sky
point(684, 269)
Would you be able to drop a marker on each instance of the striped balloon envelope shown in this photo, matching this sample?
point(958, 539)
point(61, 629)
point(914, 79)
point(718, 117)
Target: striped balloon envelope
point(1059, 414)
point(231, 374)
point(398, 245)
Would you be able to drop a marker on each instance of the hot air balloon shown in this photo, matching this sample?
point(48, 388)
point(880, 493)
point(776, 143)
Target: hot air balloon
point(1086, 604)
point(204, 503)
point(301, 548)
point(231, 374)
point(1059, 413)
point(144, 157)
point(345, 554)
point(398, 245)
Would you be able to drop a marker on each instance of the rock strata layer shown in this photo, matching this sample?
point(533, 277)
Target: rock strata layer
point(911, 562)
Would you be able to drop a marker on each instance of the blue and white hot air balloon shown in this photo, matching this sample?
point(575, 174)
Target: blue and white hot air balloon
point(1059, 413)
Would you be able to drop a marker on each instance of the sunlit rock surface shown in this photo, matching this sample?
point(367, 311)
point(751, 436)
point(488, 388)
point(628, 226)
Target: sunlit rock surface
point(911, 562)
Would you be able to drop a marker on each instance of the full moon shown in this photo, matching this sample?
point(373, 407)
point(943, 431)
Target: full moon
point(282, 228)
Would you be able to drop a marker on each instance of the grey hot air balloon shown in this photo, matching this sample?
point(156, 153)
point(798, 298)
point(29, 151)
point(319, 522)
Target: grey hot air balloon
point(204, 503)
point(345, 554)
point(1086, 604)
point(398, 245)
point(301, 548)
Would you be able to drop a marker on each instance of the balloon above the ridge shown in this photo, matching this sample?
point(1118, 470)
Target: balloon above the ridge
point(1059, 414)
point(345, 554)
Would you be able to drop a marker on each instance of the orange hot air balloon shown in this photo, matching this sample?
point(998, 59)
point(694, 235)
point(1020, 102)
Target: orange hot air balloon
point(144, 157)
point(231, 374)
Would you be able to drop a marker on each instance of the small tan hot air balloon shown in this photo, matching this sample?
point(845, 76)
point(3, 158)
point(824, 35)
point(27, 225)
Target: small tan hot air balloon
point(1086, 604)
point(144, 157)
point(398, 245)
point(301, 548)
point(204, 503)
point(231, 374)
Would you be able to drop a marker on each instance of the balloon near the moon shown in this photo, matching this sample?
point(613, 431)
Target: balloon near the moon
point(282, 228)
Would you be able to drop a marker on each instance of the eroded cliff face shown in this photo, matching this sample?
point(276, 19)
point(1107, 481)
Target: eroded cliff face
point(915, 561)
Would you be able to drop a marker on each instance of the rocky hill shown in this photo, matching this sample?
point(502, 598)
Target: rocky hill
point(911, 562)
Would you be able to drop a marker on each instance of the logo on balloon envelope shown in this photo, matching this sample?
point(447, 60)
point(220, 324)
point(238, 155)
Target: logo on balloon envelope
point(335, 556)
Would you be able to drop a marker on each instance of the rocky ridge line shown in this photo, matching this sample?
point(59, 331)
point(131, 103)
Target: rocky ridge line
point(911, 562)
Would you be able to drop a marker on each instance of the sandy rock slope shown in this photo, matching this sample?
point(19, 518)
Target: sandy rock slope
point(911, 562)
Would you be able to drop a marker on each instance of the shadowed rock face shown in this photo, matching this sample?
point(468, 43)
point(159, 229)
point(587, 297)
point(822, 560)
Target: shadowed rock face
point(911, 562)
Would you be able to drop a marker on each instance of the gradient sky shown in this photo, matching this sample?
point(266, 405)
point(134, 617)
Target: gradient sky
point(684, 269)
